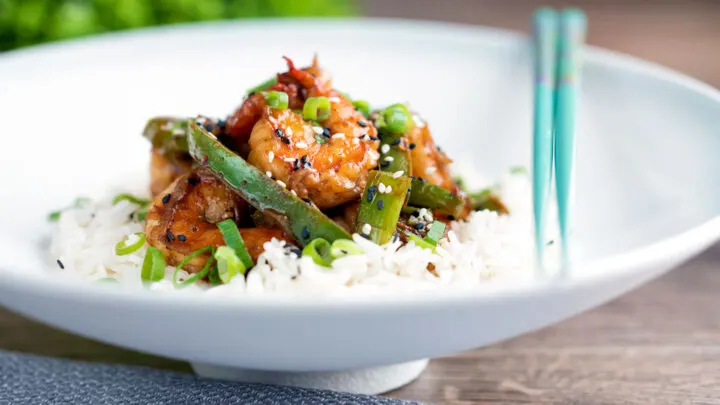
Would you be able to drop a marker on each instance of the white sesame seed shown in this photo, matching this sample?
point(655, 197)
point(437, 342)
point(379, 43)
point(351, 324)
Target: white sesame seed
point(289, 160)
point(418, 121)
point(272, 120)
point(398, 174)
point(167, 126)
point(301, 145)
point(430, 170)
point(268, 173)
point(385, 148)
point(334, 99)
point(178, 131)
point(381, 188)
point(338, 135)
point(356, 141)
point(366, 229)
point(318, 130)
point(288, 131)
point(388, 189)
point(280, 182)
point(271, 156)
point(389, 158)
point(293, 192)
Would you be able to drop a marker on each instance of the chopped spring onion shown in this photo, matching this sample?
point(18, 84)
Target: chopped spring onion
point(344, 247)
point(362, 106)
point(319, 250)
point(228, 264)
point(396, 118)
point(197, 276)
point(424, 194)
point(214, 277)
point(487, 200)
point(130, 244)
point(264, 85)
point(419, 242)
point(153, 268)
point(320, 139)
point(130, 198)
point(79, 202)
point(316, 109)
point(234, 240)
point(276, 99)
point(436, 231)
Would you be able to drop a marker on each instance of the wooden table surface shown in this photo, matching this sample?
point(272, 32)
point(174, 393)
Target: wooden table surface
point(657, 345)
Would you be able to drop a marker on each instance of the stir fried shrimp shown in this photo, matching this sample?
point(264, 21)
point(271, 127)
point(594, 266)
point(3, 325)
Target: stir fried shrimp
point(183, 218)
point(326, 162)
point(428, 161)
point(296, 83)
point(164, 171)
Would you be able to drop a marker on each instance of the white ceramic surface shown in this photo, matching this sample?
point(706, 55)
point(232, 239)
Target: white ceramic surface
point(647, 192)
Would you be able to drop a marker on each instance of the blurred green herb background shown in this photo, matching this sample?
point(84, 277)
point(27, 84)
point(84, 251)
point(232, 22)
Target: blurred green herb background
point(28, 22)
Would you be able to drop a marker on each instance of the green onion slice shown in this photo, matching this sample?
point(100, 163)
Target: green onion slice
point(197, 276)
point(264, 85)
point(316, 109)
point(153, 268)
point(436, 231)
point(130, 198)
point(276, 99)
point(125, 247)
point(234, 240)
point(228, 264)
point(362, 106)
point(419, 242)
point(214, 277)
point(344, 247)
point(396, 118)
point(320, 139)
point(319, 250)
point(141, 214)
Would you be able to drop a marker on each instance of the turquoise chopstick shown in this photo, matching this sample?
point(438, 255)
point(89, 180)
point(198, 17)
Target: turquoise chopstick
point(545, 35)
point(573, 26)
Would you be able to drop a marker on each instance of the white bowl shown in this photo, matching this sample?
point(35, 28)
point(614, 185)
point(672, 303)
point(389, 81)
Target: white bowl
point(647, 191)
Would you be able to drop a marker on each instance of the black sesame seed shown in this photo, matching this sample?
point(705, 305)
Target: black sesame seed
point(363, 136)
point(415, 213)
point(438, 148)
point(396, 142)
point(395, 237)
point(170, 236)
point(194, 181)
point(252, 93)
point(451, 217)
point(373, 138)
point(412, 146)
point(420, 225)
point(209, 127)
point(60, 264)
point(308, 201)
point(422, 180)
point(384, 164)
point(296, 250)
point(326, 132)
point(182, 238)
point(296, 164)
point(166, 199)
point(371, 193)
point(221, 124)
point(380, 204)
point(550, 242)
point(131, 216)
point(362, 123)
point(285, 140)
point(305, 233)
point(293, 277)
point(279, 132)
point(304, 159)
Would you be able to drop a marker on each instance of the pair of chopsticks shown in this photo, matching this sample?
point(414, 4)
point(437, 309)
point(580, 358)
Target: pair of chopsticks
point(558, 38)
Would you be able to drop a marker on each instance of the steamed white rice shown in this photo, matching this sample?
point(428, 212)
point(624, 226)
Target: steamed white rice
point(487, 248)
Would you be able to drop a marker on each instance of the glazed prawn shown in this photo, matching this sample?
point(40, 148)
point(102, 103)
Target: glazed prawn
point(428, 161)
point(327, 162)
point(183, 218)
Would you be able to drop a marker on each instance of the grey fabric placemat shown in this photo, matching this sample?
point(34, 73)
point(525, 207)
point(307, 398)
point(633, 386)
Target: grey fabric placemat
point(29, 379)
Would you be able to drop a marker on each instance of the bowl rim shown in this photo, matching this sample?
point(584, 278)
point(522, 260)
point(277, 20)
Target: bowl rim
point(693, 239)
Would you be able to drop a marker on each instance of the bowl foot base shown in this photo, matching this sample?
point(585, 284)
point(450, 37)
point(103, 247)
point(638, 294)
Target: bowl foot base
point(374, 380)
